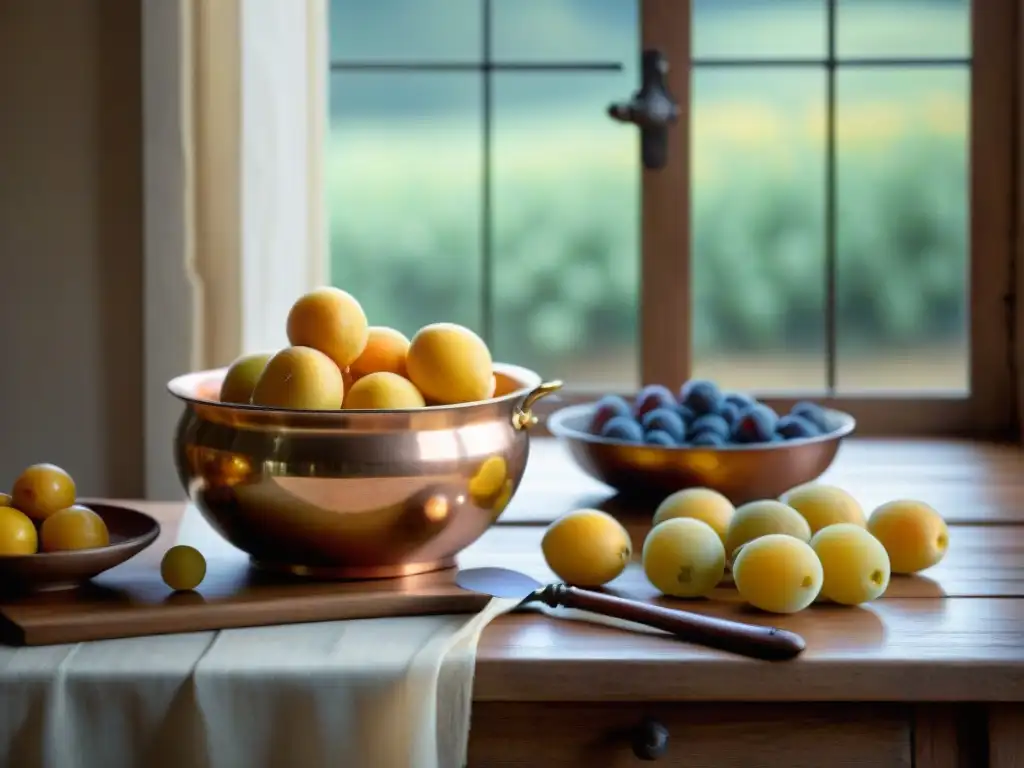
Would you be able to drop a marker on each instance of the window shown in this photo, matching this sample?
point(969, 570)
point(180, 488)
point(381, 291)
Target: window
point(833, 222)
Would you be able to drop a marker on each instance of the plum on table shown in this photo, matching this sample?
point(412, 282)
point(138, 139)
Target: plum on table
point(650, 397)
point(608, 407)
point(700, 396)
point(665, 420)
point(623, 428)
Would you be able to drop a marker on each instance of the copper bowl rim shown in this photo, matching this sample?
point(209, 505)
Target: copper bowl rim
point(186, 386)
point(557, 424)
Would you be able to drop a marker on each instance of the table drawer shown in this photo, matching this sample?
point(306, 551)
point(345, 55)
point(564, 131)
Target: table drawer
point(699, 735)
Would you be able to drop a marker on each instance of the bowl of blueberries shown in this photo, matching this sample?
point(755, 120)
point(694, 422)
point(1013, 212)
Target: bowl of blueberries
point(662, 442)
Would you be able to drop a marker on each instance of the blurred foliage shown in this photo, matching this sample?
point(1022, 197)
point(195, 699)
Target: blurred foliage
point(566, 271)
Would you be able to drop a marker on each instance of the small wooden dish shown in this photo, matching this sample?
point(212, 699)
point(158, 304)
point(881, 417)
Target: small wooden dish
point(130, 533)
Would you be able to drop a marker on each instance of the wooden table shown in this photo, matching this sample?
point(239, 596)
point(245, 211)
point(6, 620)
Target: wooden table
point(931, 675)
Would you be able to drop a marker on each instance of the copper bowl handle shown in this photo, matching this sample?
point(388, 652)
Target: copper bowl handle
point(522, 416)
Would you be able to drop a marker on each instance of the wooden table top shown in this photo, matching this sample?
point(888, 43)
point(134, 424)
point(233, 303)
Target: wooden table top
point(954, 633)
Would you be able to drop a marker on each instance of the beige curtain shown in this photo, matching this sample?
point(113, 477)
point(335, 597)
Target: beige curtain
point(215, 60)
point(226, 237)
point(213, 36)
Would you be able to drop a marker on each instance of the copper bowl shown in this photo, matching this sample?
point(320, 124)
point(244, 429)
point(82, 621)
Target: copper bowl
point(354, 494)
point(740, 472)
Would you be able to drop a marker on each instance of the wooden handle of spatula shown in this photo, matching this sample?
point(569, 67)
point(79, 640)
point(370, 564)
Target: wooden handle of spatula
point(753, 640)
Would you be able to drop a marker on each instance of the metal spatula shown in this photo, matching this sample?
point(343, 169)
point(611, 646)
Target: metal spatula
point(747, 639)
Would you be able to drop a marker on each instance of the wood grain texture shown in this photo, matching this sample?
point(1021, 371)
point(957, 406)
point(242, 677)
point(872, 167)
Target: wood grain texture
point(992, 195)
point(563, 735)
point(1006, 736)
point(753, 640)
point(950, 736)
point(935, 737)
point(665, 280)
point(952, 649)
point(968, 482)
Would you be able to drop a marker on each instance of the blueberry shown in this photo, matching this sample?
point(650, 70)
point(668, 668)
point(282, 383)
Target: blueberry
point(740, 400)
point(660, 437)
point(700, 396)
point(623, 428)
point(711, 423)
point(756, 425)
point(813, 412)
point(728, 411)
point(709, 439)
point(793, 427)
point(665, 420)
point(608, 407)
point(650, 397)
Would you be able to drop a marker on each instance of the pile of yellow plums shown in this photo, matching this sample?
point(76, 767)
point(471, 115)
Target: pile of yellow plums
point(337, 360)
point(813, 543)
point(41, 514)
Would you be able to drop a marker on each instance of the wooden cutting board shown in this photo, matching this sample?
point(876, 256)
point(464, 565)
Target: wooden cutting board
point(132, 600)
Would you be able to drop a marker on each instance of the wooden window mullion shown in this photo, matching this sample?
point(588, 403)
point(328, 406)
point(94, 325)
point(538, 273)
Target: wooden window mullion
point(665, 287)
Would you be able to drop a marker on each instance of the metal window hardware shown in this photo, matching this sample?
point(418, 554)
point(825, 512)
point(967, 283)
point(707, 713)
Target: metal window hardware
point(651, 108)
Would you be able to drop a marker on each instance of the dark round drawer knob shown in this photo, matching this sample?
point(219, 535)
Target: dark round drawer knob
point(650, 740)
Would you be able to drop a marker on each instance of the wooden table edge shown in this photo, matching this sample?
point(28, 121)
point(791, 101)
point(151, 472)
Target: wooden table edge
point(738, 681)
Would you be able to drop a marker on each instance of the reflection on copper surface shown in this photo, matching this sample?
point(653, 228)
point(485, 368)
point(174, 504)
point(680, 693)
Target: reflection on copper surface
point(501, 499)
point(345, 494)
point(488, 480)
point(403, 570)
point(436, 508)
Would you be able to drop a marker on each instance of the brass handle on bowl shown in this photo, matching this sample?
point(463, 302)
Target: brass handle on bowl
point(522, 417)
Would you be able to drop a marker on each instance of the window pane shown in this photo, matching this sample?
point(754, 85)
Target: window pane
point(913, 28)
point(566, 30)
point(405, 30)
point(902, 228)
point(566, 228)
point(403, 190)
point(758, 227)
point(756, 29)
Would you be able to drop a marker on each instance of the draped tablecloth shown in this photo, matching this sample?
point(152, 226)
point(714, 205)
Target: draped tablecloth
point(368, 693)
point(371, 693)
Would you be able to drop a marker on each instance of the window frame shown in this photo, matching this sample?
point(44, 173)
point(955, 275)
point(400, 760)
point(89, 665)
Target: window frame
point(990, 410)
point(201, 278)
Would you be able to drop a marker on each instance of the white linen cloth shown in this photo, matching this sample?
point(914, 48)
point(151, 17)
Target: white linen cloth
point(370, 693)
